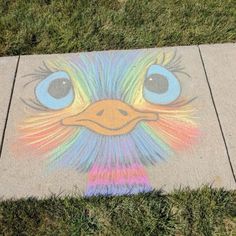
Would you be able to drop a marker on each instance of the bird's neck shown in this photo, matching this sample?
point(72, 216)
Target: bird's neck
point(117, 180)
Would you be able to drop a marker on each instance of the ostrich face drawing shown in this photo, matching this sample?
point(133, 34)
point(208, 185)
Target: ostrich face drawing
point(110, 115)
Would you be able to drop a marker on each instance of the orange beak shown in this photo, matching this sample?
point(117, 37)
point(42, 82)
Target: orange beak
point(109, 117)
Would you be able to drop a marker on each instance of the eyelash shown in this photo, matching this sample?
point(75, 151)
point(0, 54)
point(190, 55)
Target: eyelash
point(41, 73)
point(174, 65)
point(34, 105)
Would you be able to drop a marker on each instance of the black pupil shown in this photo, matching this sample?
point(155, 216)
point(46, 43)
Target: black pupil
point(156, 83)
point(59, 88)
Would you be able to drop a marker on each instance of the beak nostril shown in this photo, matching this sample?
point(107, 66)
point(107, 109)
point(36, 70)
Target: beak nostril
point(99, 113)
point(123, 112)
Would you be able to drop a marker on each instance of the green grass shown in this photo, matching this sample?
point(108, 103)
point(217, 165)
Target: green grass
point(205, 211)
point(45, 26)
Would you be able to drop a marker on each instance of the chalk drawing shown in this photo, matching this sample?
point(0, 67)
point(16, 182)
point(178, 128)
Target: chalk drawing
point(110, 115)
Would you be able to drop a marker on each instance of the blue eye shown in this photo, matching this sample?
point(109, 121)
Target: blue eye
point(160, 86)
point(55, 92)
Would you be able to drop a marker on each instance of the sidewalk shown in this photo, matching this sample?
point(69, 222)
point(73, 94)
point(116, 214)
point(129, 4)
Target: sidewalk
point(47, 149)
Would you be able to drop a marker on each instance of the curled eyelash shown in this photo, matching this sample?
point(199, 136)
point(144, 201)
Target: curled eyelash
point(39, 74)
point(174, 65)
point(182, 103)
point(26, 84)
point(34, 105)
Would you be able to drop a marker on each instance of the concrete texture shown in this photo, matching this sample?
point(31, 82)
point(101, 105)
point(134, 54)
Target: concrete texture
point(7, 72)
point(220, 64)
point(25, 173)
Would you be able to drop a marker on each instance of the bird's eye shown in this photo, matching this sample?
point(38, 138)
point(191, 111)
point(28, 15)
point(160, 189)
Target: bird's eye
point(160, 86)
point(55, 92)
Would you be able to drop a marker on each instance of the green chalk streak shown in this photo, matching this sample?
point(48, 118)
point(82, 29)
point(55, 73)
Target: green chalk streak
point(56, 154)
point(157, 139)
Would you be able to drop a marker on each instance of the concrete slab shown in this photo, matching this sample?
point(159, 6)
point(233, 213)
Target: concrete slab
point(112, 122)
point(220, 64)
point(7, 72)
